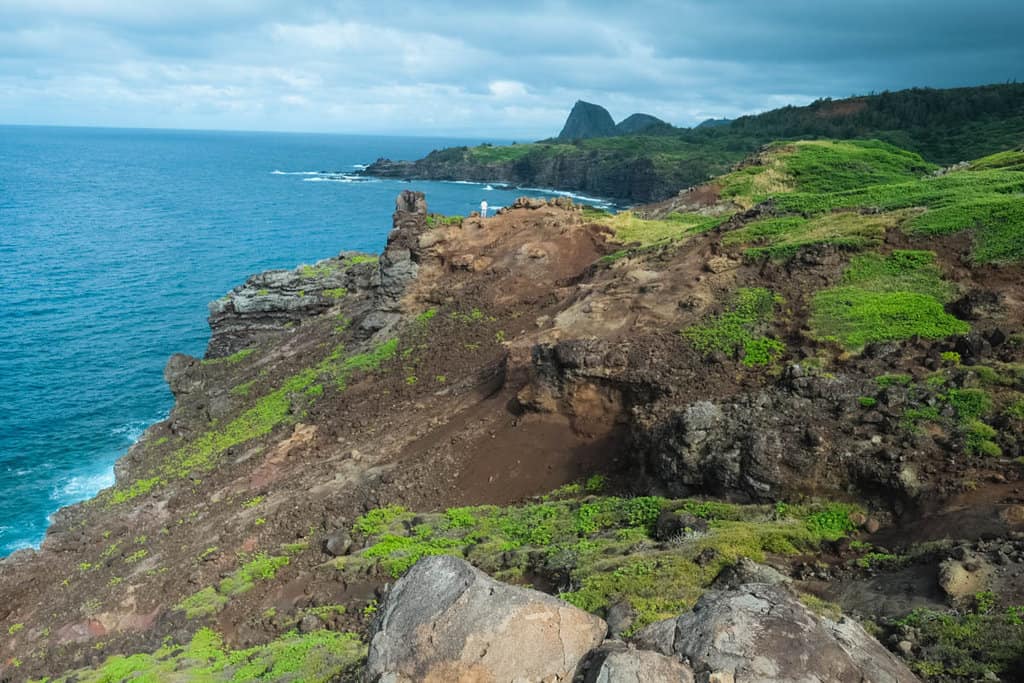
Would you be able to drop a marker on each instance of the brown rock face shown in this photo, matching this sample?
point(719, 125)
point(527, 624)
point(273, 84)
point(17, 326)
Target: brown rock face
point(447, 621)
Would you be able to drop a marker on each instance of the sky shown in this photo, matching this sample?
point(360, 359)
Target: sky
point(469, 68)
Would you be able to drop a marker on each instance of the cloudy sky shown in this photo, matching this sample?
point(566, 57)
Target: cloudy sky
point(465, 68)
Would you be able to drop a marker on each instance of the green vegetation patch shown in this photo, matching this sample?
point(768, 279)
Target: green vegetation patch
point(602, 546)
point(358, 259)
point(781, 238)
point(1011, 160)
point(965, 646)
point(233, 359)
point(886, 299)
point(736, 332)
point(631, 229)
point(990, 202)
point(839, 165)
point(998, 221)
point(820, 166)
point(315, 657)
point(212, 599)
point(436, 220)
point(320, 270)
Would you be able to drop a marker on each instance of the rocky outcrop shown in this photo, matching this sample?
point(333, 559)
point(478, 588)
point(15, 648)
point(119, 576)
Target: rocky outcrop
point(759, 445)
point(447, 621)
point(759, 633)
point(587, 120)
point(272, 303)
point(269, 304)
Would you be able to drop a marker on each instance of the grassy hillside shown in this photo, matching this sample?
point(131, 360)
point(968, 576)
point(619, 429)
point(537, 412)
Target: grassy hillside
point(848, 195)
point(943, 126)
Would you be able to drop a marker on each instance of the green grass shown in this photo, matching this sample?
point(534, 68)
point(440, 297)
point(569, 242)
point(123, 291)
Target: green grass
point(318, 271)
point(737, 331)
point(988, 202)
point(358, 259)
point(335, 293)
point(998, 221)
point(885, 299)
point(1012, 160)
point(631, 229)
point(820, 166)
point(212, 599)
point(839, 165)
point(233, 359)
point(603, 543)
point(435, 220)
point(967, 645)
point(316, 657)
point(781, 238)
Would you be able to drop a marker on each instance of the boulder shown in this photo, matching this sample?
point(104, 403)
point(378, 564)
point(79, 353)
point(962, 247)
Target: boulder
point(447, 621)
point(747, 571)
point(616, 662)
point(762, 633)
point(672, 524)
point(961, 579)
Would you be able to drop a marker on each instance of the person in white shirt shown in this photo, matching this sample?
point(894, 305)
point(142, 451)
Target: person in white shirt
point(483, 209)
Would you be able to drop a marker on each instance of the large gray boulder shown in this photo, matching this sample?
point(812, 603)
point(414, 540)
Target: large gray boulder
point(447, 621)
point(760, 633)
point(615, 662)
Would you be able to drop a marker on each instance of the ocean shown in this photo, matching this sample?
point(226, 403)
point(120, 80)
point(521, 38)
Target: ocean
point(111, 244)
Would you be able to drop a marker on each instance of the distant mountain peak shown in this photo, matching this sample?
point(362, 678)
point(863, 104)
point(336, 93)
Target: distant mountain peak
point(635, 123)
point(587, 120)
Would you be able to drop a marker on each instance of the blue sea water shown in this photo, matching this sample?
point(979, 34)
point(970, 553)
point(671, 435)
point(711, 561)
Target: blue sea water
point(111, 244)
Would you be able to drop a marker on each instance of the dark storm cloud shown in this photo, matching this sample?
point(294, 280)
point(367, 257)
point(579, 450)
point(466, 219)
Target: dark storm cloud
point(512, 69)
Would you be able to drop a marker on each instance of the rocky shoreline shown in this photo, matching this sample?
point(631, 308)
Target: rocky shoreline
point(513, 430)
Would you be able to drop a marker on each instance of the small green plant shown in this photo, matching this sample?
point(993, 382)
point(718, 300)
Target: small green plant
point(335, 293)
point(435, 220)
point(867, 401)
point(460, 518)
point(377, 520)
point(136, 556)
point(735, 332)
point(893, 380)
point(1016, 409)
point(321, 270)
point(15, 628)
point(831, 523)
point(426, 316)
point(253, 502)
point(951, 358)
point(595, 484)
point(978, 438)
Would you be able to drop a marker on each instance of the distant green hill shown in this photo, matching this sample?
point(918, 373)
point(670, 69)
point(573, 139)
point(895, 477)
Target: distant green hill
point(943, 126)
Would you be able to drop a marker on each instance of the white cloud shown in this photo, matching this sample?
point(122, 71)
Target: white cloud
point(507, 89)
point(453, 67)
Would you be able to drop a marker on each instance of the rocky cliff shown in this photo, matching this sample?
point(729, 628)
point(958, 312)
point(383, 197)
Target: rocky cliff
point(587, 120)
point(770, 431)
